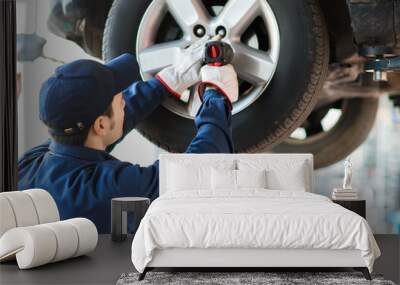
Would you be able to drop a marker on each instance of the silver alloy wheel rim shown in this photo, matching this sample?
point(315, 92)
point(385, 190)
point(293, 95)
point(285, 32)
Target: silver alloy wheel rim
point(255, 66)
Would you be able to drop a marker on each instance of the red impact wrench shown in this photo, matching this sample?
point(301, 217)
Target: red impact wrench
point(216, 53)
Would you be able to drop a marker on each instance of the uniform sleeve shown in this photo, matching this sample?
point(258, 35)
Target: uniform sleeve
point(213, 123)
point(141, 99)
point(128, 179)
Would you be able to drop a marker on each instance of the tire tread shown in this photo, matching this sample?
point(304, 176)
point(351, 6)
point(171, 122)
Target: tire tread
point(317, 77)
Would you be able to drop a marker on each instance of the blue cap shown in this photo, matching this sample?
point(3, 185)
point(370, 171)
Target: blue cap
point(80, 91)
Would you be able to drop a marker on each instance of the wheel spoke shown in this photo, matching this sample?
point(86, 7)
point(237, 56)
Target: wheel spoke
point(252, 65)
point(237, 15)
point(156, 57)
point(187, 13)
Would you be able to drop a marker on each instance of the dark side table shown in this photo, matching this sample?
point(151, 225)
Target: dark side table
point(356, 206)
point(120, 207)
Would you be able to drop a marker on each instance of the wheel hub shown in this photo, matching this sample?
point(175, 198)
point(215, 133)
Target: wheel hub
point(250, 27)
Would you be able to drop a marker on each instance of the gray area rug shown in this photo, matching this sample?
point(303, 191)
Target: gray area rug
point(232, 278)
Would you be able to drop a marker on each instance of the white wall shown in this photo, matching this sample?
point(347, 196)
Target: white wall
point(32, 17)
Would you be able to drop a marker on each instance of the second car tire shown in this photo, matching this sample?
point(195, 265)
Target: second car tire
point(351, 130)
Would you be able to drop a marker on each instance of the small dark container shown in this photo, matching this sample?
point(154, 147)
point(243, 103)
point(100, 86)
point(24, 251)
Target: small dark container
point(120, 207)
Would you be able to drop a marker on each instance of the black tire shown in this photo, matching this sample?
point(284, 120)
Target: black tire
point(301, 70)
point(92, 41)
point(357, 119)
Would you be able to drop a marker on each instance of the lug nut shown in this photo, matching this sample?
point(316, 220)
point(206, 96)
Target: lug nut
point(199, 31)
point(221, 31)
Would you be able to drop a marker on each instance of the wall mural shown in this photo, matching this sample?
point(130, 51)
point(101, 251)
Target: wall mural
point(375, 164)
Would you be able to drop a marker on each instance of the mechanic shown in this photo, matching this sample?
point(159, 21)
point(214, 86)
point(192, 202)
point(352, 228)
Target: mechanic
point(89, 107)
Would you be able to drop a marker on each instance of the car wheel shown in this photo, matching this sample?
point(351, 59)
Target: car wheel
point(281, 57)
point(333, 132)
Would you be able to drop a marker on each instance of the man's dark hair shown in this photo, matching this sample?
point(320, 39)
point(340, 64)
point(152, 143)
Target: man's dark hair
point(79, 139)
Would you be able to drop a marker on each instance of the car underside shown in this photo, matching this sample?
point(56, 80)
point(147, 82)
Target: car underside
point(310, 72)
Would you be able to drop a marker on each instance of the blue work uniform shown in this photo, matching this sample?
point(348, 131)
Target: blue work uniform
point(82, 180)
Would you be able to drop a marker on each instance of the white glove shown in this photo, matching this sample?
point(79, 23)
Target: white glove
point(224, 78)
point(186, 72)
